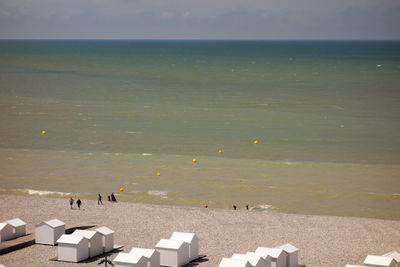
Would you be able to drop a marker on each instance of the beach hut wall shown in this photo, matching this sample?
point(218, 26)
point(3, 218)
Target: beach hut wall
point(254, 259)
point(94, 240)
point(6, 231)
point(192, 240)
point(72, 248)
point(379, 261)
point(49, 232)
point(107, 238)
point(395, 255)
point(278, 256)
point(152, 256)
point(19, 227)
point(129, 260)
point(292, 254)
point(229, 262)
point(173, 253)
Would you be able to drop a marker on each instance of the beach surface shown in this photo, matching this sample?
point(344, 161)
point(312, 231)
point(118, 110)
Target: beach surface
point(322, 240)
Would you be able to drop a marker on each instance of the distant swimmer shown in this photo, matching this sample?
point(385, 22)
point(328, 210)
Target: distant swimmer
point(99, 200)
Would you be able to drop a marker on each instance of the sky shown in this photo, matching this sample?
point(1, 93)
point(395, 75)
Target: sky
point(200, 19)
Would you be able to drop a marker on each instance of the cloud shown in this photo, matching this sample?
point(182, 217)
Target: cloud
point(222, 19)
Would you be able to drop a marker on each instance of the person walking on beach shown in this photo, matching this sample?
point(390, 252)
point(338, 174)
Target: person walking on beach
point(79, 202)
point(99, 200)
point(71, 202)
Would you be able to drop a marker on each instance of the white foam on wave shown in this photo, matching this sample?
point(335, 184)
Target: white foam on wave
point(158, 193)
point(45, 193)
point(131, 132)
point(146, 154)
point(261, 207)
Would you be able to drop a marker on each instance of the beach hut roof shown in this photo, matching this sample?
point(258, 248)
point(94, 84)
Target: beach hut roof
point(70, 239)
point(168, 243)
point(143, 251)
point(54, 223)
point(229, 262)
point(129, 258)
point(104, 230)
point(273, 252)
point(393, 254)
point(253, 259)
point(16, 222)
point(289, 248)
point(187, 237)
point(85, 233)
point(378, 260)
point(2, 225)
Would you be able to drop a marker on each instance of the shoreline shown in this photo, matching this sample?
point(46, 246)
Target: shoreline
point(322, 240)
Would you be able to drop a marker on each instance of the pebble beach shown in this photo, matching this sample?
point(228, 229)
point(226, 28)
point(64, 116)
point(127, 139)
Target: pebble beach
point(322, 240)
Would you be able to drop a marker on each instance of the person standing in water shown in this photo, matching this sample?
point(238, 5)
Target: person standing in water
point(71, 202)
point(79, 203)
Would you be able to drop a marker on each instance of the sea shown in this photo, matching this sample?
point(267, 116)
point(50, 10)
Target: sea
point(307, 127)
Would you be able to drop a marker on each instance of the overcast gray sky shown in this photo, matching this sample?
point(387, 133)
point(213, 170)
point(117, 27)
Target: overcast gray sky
point(200, 19)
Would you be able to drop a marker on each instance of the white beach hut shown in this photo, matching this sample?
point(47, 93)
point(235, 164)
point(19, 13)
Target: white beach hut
point(19, 227)
point(152, 256)
point(129, 260)
point(379, 261)
point(395, 255)
point(107, 238)
point(173, 253)
point(278, 256)
point(48, 232)
point(266, 258)
point(254, 259)
point(292, 254)
point(94, 241)
point(72, 248)
point(6, 231)
point(192, 240)
point(229, 262)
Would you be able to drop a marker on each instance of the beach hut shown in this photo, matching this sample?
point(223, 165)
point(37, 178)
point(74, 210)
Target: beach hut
point(72, 248)
point(267, 258)
point(48, 232)
point(379, 261)
point(192, 241)
point(173, 253)
point(254, 259)
point(94, 241)
point(395, 255)
point(229, 262)
point(6, 231)
point(19, 227)
point(278, 256)
point(292, 254)
point(107, 238)
point(152, 256)
point(129, 260)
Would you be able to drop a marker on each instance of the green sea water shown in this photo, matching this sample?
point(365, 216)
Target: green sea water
point(326, 115)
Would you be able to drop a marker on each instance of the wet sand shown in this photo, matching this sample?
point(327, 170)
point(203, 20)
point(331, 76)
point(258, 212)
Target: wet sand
point(322, 240)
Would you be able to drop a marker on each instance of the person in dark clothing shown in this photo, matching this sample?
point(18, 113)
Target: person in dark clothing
point(113, 197)
point(79, 203)
point(247, 207)
point(234, 207)
point(99, 200)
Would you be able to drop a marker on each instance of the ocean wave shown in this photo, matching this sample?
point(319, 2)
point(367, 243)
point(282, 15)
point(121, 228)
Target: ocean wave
point(44, 193)
point(261, 207)
point(158, 193)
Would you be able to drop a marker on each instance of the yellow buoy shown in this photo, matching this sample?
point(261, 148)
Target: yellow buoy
point(121, 189)
point(220, 151)
point(255, 142)
point(43, 132)
point(194, 160)
point(158, 174)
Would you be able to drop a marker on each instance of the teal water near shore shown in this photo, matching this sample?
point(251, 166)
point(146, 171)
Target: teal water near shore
point(116, 113)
